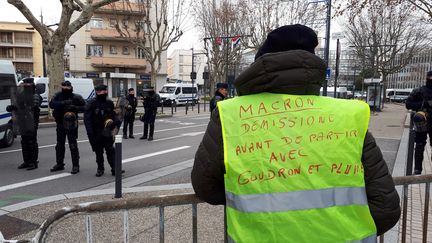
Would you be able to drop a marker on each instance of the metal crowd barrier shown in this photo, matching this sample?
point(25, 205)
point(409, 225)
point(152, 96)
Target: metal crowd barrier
point(161, 202)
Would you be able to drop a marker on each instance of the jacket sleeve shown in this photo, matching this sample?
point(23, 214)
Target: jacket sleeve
point(414, 100)
point(79, 102)
point(88, 117)
point(55, 103)
point(382, 196)
point(208, 169)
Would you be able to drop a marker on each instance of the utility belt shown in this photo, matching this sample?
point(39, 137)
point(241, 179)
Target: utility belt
point(70, 121)
point(421, 120)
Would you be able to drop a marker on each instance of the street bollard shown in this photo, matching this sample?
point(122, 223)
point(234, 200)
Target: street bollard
point(118, 166)
point(162, 106)
point(205, 105)
point(193, 104)
point(187, 106)
point(198, 107)
point(411, 139)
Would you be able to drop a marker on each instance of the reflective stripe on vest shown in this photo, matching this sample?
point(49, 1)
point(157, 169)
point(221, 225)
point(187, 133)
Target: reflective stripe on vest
point(369, 239)
point(298, 200)
point(293, 169)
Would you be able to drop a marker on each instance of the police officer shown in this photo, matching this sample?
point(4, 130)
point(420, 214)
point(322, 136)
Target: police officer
point(220, 94)
point(420, 100)
point(151, 102)
point(66, 106)
point(130, 111)
point(101, 124)
point(28, 128)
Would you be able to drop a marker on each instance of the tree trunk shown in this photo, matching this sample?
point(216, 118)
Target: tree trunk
point(153, 77)
point(55, 69)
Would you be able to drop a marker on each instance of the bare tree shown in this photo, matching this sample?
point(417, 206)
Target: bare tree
point(54, 41)
point(425, 6)
point(152, 34)
point(262, 16)
point(385, 38)
point(219, 23)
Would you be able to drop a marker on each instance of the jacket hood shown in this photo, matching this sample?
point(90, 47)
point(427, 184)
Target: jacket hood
point(295, 72)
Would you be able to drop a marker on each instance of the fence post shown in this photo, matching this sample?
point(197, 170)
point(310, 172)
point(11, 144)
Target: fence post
point(118, 166)
point(410, 155)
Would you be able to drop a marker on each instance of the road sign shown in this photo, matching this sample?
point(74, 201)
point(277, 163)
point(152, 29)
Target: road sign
point(328, 74)
point(338, 35)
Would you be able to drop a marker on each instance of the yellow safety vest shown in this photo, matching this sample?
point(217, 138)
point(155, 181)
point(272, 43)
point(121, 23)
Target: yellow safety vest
point(293, 169)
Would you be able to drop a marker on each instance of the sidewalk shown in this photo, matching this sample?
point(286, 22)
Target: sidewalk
point(22, 223)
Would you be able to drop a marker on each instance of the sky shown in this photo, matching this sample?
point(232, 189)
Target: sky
point(51, 14)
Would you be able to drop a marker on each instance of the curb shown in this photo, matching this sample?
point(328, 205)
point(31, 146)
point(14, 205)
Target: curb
point(36, 202)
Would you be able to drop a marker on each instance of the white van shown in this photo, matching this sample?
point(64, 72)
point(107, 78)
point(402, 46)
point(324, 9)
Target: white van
point(8, 79)
point(397, 95)
point(81, 86)
point(179, 93)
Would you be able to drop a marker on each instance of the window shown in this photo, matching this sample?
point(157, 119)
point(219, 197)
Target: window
point(113, 50)
point(7, 81)
point(23, 53)
point(181, 57)
point(168, 90)
point(96, 24)
point(6, 53)
point(178, 90)
point(189, 90)
point(139, 53)
point(112, 23)
point(125, 50)
point(180, 69)
point(23, 38)
point(140, 26)
point(6, 37)
point(94, 50)
point(24, 67)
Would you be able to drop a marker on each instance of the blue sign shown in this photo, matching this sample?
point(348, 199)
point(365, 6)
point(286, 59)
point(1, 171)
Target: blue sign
point(328, 74)
point(67, 74)
point(145, 77)
point(92, 75)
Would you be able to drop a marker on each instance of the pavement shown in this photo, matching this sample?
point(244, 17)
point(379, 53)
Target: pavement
point(21, 221)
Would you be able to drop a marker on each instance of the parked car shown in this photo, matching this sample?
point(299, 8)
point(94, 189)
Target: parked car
point(8, 79)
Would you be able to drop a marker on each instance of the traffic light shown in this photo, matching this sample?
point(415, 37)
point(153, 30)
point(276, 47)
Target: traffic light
point(193, 75)
point(206, 75)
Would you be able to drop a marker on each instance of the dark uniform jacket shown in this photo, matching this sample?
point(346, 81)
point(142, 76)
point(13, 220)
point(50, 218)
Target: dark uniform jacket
point(216, 98)
point(96, 113)
point(133, 102)
point(37, 101)
point(151, 102)
point(62, 103)
point(294, 72)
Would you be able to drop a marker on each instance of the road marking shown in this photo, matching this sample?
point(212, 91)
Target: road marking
point(83, 141)
point(201, 118)
point(154, 154)
point(32, 182)
point(192, 134)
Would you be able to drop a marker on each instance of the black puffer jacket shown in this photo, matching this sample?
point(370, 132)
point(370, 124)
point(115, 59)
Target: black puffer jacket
point(301, 73)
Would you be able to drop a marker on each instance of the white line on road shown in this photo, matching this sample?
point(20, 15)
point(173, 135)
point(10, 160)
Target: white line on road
point(32, 182)
point(192, 134)
point(154, 154)
point(83, 141)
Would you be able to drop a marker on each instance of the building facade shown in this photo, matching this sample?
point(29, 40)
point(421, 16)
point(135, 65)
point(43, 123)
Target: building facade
point(180, 65)
point(97, 51)
point(414, 74)
point(21, 44)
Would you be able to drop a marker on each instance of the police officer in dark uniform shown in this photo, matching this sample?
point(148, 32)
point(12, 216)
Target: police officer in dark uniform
point(420, 100)
point(101, 124)
point(129, 116)
point(29, 145)
point(220, 94)
point(151, 101)
point(66, 106)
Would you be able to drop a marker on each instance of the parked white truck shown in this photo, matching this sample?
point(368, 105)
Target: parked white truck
point(8, 79)
point(179, 93)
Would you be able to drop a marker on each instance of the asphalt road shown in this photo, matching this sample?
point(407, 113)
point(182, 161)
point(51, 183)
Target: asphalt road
point(176, 140)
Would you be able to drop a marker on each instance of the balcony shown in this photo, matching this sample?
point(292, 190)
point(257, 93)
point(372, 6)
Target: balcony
point(108, 34)
point(8, 44)
point(18, 59)
point(123, 8)
point(113, 62)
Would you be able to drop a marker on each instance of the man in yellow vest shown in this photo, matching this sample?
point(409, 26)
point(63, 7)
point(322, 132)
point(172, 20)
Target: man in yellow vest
point(289, 165)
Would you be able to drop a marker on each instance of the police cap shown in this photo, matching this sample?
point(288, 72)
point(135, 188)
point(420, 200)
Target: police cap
point(100, 87)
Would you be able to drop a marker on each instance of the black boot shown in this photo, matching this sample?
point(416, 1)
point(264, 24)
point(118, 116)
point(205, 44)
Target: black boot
point(131, 131)
point(151, 132)
point(145, 131)
point(99, 173)
point(23, 165)
point(75, 169)
point(57, 167)
point(33, 165)
point(418, 158)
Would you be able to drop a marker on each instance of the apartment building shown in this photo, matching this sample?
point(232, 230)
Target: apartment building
point(180, 65)
point(98, 52)
point(23, 46)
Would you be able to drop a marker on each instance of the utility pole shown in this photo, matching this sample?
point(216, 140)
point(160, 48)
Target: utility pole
point(43, 52)
point(327, 43)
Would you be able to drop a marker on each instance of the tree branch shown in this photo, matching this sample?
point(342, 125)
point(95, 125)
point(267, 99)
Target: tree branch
point(41, 28)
